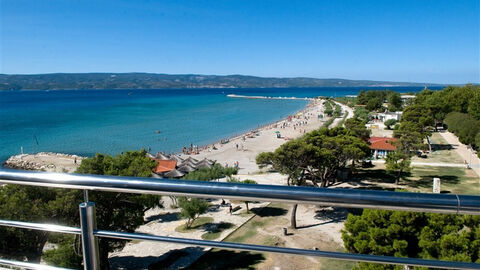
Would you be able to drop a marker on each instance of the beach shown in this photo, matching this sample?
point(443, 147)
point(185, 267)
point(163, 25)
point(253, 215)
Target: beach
point(242, 149)
point(245, 148)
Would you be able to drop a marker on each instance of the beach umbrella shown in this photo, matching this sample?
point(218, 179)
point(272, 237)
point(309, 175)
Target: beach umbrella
point(150, 156)
point(174, 174)
point(154, 175)
point(177, 158)
point(201, 165)
point(162, 157)
point(194, 161)
point(211, 162)
point(188, 163)
point(277, 131)
point(186, 168)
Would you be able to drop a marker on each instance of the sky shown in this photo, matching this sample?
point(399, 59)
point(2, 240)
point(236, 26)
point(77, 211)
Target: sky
point(414, 41)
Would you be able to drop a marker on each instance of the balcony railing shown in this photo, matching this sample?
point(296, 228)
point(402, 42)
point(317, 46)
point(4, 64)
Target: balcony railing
point(351, 198)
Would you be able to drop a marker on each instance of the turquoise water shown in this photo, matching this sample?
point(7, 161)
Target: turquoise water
point(85, 122)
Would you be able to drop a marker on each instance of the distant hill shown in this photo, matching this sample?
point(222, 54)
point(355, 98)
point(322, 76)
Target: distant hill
point(153, 81)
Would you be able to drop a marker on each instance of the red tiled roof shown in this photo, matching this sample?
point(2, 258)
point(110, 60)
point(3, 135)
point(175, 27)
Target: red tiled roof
point(382, 143)
point(165, 166)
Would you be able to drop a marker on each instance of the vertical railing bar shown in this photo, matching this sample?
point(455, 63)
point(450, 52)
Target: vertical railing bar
point(88, 224)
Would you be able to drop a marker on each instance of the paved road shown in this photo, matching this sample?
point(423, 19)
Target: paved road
point(463, 151)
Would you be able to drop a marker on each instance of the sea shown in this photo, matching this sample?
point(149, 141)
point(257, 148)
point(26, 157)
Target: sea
point(85, 122)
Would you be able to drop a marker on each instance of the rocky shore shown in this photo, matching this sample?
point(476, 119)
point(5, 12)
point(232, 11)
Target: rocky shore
point(45, 161)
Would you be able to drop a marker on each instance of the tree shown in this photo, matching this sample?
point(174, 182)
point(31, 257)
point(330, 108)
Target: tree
point(396, 164)
point(389, 123)
point(362, 114)
point(246, 181)
point(317, 157)
point(394, 101)
point(374, 104)
point(119, 211)
point(477, 142)
point(410, 137)
point(358, 128)
point(412, 234)
point(464, 126)
point(67, 254)
point(32, 204)
point(328, 108)
point(192, 208)
point(217, 171)
point(474, 105)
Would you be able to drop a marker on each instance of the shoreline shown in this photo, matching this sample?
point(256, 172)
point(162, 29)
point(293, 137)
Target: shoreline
point(241, 147)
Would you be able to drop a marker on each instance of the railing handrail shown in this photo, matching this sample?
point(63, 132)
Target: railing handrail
point(425, 202)
point(249, 247)
point(351, 198)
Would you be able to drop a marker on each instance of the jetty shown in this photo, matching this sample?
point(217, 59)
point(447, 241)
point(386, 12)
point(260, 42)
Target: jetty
point(265, 97)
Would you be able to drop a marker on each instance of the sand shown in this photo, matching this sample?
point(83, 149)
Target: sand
point(244, 149)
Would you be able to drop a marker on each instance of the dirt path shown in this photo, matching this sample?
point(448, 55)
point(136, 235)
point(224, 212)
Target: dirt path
point(463, 151)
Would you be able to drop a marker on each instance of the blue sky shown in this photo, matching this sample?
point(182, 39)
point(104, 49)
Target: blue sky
point(422, 41)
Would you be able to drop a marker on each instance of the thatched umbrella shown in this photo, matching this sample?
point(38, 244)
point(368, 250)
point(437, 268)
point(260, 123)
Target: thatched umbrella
point(191, 159)
point(177, 158)
point(154, 175)
point(204, 164)
point(211, 162)
point(162, 156)
point(186, 168)
point(174, 174)
point(188, 163)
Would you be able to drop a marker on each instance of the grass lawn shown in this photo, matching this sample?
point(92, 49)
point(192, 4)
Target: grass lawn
point(442, 152)
point(453, 179)
point(198, 223)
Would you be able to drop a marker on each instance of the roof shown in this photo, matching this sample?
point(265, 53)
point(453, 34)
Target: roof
point(382, 143)
point(165, 166)
point(174, 174)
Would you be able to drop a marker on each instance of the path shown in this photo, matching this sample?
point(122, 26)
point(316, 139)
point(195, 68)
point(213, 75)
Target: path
point(163, 222)
point(462, 150)
point(431, 164)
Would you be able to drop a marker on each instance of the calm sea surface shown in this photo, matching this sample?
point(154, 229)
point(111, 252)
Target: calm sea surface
point(85, 122)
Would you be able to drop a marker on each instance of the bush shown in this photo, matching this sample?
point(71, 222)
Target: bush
point(464, 126)
point(192, 208)
point(207, 174)
point(389, 123)
point(414, 235)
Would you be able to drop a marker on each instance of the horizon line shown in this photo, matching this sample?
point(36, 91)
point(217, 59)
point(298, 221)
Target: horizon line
point(243, 75)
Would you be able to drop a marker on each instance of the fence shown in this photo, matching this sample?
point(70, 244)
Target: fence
point(351, 198)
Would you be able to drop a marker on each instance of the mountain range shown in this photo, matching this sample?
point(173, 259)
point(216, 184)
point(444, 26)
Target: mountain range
point(55, 81)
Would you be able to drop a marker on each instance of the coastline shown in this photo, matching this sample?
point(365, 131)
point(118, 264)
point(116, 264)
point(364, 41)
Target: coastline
point(56, 162)
point(241, 148)
point(244, 148)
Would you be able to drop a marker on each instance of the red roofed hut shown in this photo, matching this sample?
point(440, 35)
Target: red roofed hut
point(165, 166)
point(382, 146)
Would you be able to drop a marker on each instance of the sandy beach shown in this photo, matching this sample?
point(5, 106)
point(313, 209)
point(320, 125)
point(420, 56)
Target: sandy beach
point(244, 148)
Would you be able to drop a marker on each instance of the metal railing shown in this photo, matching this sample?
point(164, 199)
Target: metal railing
point(351, 198)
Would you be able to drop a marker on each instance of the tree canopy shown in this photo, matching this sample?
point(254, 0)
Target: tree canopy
point(412, 234)
point(316, 157)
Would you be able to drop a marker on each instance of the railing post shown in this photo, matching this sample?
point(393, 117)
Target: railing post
point(88, 224)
